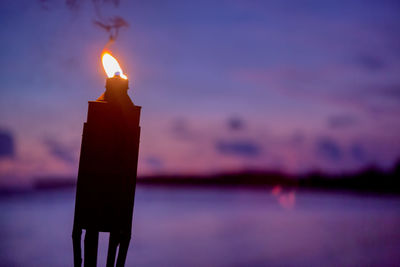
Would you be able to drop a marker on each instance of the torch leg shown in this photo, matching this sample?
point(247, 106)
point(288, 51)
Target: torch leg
point(123, 249)
point(91, 244)
point(76, 243)
point(112, 249)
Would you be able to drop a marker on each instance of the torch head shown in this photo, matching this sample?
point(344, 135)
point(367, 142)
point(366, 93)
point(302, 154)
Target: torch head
point(116, 83)
point(117, 91)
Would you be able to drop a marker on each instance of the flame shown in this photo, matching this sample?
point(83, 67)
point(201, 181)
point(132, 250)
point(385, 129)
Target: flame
point(111, 66)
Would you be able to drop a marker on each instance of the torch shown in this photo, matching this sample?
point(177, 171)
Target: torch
point(107, 170)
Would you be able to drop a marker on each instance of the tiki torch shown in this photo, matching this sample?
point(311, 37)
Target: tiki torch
point(107, 170)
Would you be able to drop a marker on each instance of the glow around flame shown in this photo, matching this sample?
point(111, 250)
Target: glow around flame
point(111, 66)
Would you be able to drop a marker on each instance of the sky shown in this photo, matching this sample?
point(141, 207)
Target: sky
point(224, 86)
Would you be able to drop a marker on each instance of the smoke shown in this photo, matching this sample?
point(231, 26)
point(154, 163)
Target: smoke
point(110, 24)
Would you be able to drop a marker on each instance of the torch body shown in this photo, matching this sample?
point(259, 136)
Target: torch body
point(107, 170)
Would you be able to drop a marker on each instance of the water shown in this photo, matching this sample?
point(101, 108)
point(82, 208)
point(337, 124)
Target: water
point(215, 227)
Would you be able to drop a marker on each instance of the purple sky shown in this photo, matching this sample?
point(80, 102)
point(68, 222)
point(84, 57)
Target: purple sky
point(224, 85)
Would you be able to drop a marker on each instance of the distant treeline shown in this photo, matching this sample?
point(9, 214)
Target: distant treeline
point(370, 179)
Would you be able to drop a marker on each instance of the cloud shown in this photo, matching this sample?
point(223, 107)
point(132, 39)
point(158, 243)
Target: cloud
point(391, 91)
point(370, 62)
point(235, 123)
point(180, 130)
point(341, 121)
point(75, 4)
point(328, 149)
point(7, 148)
point(298, 138)
point(357, 151)
point(60, 151)
point(243, 148)
point(154, 162)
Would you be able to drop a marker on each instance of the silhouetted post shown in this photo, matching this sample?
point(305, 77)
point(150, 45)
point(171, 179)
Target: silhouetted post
point(107, 174)
point(76, 242)
point(91, 245)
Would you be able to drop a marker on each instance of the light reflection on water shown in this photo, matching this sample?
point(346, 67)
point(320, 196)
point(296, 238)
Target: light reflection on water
point(214, 227)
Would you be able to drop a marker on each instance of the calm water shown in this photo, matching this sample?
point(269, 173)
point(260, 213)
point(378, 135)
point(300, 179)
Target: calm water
point(203, 227)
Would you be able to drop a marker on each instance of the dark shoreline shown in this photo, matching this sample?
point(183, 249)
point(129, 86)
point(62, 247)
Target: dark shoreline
point(370, 180)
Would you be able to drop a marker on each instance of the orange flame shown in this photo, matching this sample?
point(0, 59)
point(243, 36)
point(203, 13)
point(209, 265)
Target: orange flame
point(111, 66)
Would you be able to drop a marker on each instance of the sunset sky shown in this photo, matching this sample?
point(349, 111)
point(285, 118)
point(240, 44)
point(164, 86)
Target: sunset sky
point(224, 85)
